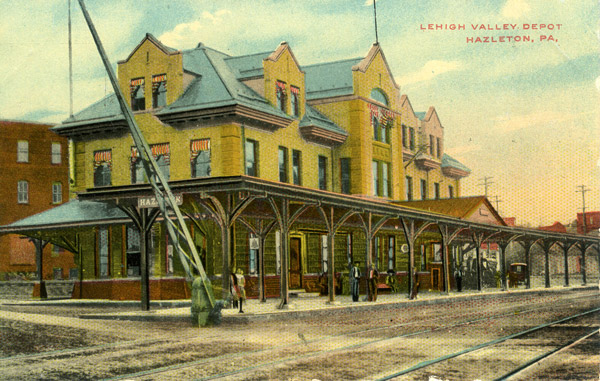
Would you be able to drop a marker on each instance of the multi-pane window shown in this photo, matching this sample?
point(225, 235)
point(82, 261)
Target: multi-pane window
point(324, 250)
point(254, 244)
point(411, 139)
point(164, 166)
point(438, 147)
point(436, 190)
point(295, 99)
point(281, 94)
point(251, 153)
point(56, 193)
point(345, 175)
point(375, 129)
point(138, 99)
point(56, 153)
point(138, 173)
point(23, 151)
point(297, 167)
point(423, 189)
point(200, 157)
point(450, 191)
point(409, 188)
point(162, 155)
point(431, 145)
point(283, 164)
point(23, 192)
point(159, 90)
point(391, 252)
point(404, 136)
point(133, 251)
point(381, 181)
point(102, 168)
point(349, 254)
point(322, 172)
point(385, 180)
point(376, 249)
point(103, 252)
point(375, 169)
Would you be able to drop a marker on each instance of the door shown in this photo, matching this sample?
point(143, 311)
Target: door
point(436, 281)
point(295, 263)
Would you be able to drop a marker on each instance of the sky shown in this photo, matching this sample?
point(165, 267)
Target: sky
point(525, 114)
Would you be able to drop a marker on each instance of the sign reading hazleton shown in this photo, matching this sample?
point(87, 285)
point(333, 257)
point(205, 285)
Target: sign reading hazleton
point(151, 202)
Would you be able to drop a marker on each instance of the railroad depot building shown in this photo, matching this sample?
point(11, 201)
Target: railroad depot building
point(276, 165)
point(34, 168)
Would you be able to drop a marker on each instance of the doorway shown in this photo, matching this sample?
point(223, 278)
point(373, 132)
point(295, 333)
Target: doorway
point(295, 263)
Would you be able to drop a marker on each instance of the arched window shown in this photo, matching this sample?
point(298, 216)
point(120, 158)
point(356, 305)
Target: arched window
point(379, 96)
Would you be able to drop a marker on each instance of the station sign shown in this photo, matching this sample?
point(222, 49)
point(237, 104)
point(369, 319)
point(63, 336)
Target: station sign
point(152, 202)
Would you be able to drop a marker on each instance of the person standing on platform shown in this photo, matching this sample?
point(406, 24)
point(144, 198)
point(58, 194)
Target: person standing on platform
point(241, 284)
point(354, 282)
point(458, 278)
point(415, 288)
point(373, 281)
point(234, 289)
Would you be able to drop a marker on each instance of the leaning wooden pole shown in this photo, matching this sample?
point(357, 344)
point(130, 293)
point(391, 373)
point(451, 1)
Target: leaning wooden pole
point(178, 231)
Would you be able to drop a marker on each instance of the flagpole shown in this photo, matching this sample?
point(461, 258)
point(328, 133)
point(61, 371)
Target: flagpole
point(375, 16)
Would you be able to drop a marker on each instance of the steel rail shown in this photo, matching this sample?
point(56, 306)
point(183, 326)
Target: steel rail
point(427, 363)
point(547, 354)
point(179, 366)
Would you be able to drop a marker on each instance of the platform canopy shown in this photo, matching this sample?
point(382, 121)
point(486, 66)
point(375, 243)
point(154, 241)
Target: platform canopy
point(61, 224)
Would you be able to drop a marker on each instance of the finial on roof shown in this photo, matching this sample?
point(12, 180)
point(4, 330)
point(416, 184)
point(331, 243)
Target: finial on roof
point(283, 43)
point(200, 44)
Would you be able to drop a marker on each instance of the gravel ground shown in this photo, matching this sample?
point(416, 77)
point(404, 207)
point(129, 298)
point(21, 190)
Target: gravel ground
point(50, 342)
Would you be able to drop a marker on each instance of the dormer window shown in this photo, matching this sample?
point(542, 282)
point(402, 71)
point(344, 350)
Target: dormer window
point(281, 96)
point(295, 100)
point(138, 99)
point(159, 90)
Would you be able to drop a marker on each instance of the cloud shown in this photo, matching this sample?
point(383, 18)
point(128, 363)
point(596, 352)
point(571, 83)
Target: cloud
point(429, 71)
point(514, 9)
point(508, 123)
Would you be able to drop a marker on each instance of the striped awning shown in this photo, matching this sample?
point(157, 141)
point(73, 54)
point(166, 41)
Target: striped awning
point(157, 150)
point(104, 156)
point(280, 85)
point(157, 80)
point(197, 146)
point(294, 90)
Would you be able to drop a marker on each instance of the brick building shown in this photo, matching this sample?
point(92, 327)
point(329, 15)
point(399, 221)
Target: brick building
point(34, 168)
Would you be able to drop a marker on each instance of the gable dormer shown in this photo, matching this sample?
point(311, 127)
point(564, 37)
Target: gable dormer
point(284, 84)
point(152, 76)
point(374, 80)
point(433, 134)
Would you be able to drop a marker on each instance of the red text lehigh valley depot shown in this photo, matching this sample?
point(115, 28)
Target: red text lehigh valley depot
point(524, 26)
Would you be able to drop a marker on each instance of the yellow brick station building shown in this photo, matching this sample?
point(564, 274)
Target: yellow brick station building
point(341, 127)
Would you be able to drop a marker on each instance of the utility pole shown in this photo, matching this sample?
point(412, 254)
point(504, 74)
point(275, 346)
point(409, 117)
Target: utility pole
point(486, 183)
point(497, 201)
point(582, 189)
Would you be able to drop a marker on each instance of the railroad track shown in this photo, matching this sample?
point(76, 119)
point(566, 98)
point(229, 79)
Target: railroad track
point(307, 350)
point(495, 342)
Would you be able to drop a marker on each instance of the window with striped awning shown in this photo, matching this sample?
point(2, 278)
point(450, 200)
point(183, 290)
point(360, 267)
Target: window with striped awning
point(196, 146)
point(101, 157)
point(200, 157)
point(157, 79)
point(157, 150)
